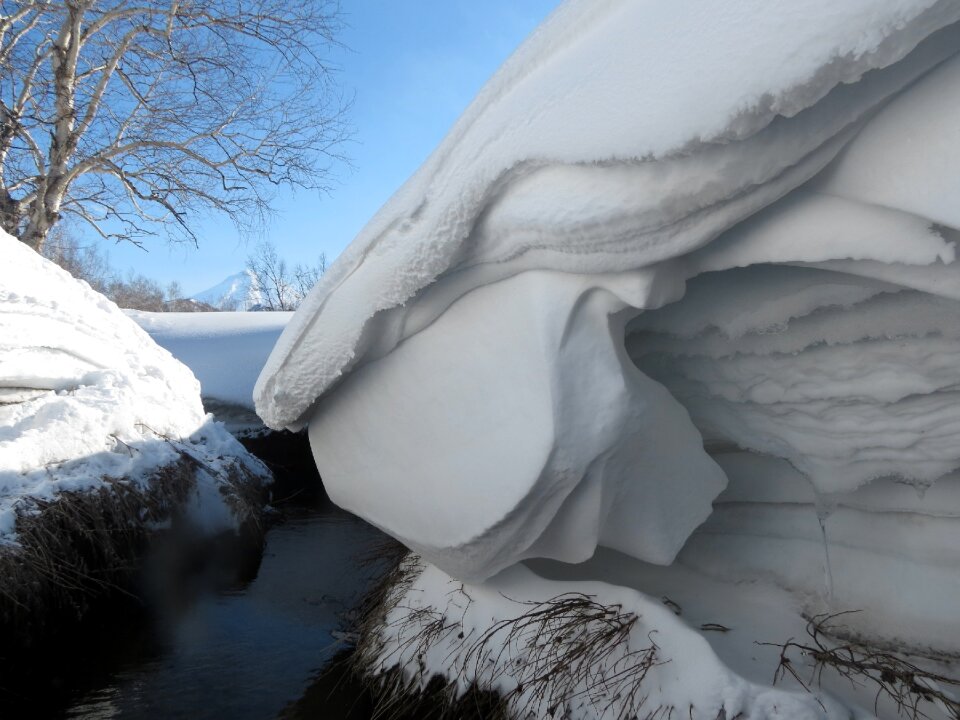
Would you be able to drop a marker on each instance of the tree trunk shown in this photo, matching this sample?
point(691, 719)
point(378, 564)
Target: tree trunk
point(35, 237)
point(38, 227)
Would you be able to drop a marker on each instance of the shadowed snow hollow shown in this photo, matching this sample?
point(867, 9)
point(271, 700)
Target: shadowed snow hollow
point(669, 244)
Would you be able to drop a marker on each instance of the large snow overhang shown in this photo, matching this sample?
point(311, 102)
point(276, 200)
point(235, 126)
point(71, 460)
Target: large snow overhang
point(464, 368)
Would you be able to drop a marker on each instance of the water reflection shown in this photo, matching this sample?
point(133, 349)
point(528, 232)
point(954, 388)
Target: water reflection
point(249, 652)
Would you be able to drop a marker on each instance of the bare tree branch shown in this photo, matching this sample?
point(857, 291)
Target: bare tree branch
point(278, 287)
point(136, 115)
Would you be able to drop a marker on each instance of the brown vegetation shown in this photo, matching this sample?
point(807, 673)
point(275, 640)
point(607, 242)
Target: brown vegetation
point(566, 651)
point(911, 688)
point(83, 548)
point(89, 263)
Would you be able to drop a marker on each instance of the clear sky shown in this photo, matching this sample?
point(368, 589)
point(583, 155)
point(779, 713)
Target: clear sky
point(412, 67)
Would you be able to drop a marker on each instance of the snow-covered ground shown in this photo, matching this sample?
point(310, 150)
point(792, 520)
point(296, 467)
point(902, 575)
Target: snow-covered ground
point(86, 397)
point(225, 350)
point(570, 646)
point(671, 248)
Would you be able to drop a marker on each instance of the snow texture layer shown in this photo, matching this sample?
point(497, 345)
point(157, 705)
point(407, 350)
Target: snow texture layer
point(86, 394)
point(757, 204)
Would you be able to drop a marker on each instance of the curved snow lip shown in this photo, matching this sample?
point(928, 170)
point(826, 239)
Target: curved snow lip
point(564, 447)
point(738, 68)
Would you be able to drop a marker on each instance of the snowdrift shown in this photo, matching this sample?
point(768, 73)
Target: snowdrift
point(681, 283)
point(86, 397)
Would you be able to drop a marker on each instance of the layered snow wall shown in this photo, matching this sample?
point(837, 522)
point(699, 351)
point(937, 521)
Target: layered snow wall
point(670, 246)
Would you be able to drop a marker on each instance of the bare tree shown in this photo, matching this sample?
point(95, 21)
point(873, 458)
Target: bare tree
point(271, 277)
point(306, 276)
point(277, 286)
point(136, 292)
point(85, 261)
point(132, 114)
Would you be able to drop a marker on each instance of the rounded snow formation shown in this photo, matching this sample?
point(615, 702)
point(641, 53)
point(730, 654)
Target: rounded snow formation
point(86, 396)
point(662, 236)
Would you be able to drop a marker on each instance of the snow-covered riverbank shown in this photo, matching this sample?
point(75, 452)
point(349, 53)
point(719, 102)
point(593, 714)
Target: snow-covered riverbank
point(103, 444)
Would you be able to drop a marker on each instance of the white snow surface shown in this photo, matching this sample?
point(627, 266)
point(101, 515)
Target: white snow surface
point(695, 115)
point(670, 247)
point(480, 641)
point(86, 394)
point(237, 292)
point(225, 350)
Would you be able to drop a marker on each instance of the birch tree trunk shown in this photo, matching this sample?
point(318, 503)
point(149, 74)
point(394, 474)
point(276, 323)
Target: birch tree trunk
point(135, 117)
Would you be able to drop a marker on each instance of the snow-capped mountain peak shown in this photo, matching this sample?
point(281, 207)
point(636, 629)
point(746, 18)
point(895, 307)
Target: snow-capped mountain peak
point(235, 292)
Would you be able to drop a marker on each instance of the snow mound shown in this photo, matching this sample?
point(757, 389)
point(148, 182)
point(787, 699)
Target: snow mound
point(577, 649)
point(662, 235)
point(85, 395)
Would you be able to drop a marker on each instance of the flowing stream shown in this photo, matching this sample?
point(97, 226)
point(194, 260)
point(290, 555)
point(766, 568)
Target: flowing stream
point(248, 651)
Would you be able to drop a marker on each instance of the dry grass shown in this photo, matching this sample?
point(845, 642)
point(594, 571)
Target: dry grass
point(911, 688)
point(567, 652)
point(394, 695)
point(83, 547)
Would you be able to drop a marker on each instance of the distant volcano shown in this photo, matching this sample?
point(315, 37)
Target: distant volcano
point(236, 292)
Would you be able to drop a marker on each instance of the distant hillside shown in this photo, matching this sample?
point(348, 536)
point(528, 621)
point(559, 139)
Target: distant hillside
point(236, 292)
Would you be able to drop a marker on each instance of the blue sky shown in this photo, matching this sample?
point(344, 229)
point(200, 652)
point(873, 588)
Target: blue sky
point(412, 68)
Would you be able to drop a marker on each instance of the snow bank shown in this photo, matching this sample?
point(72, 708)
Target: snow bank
point(663, 235)
point(572, 649)
point(694, 116)
point(86, 395)
point(225, 350)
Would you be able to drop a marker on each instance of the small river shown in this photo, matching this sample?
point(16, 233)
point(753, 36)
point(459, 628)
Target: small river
point(248, 651)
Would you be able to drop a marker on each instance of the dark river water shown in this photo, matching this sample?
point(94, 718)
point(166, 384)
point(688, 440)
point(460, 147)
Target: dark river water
point(248, 651)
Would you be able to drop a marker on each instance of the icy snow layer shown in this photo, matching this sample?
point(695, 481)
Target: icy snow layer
point(846, 391)
point(758, 201)
point(86, 394)
point(845, 385)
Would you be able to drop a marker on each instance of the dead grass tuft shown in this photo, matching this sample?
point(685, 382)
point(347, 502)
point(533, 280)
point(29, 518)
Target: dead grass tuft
point(910, 687)
point(569, 650)
point(83, 547)
point(555, 656)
